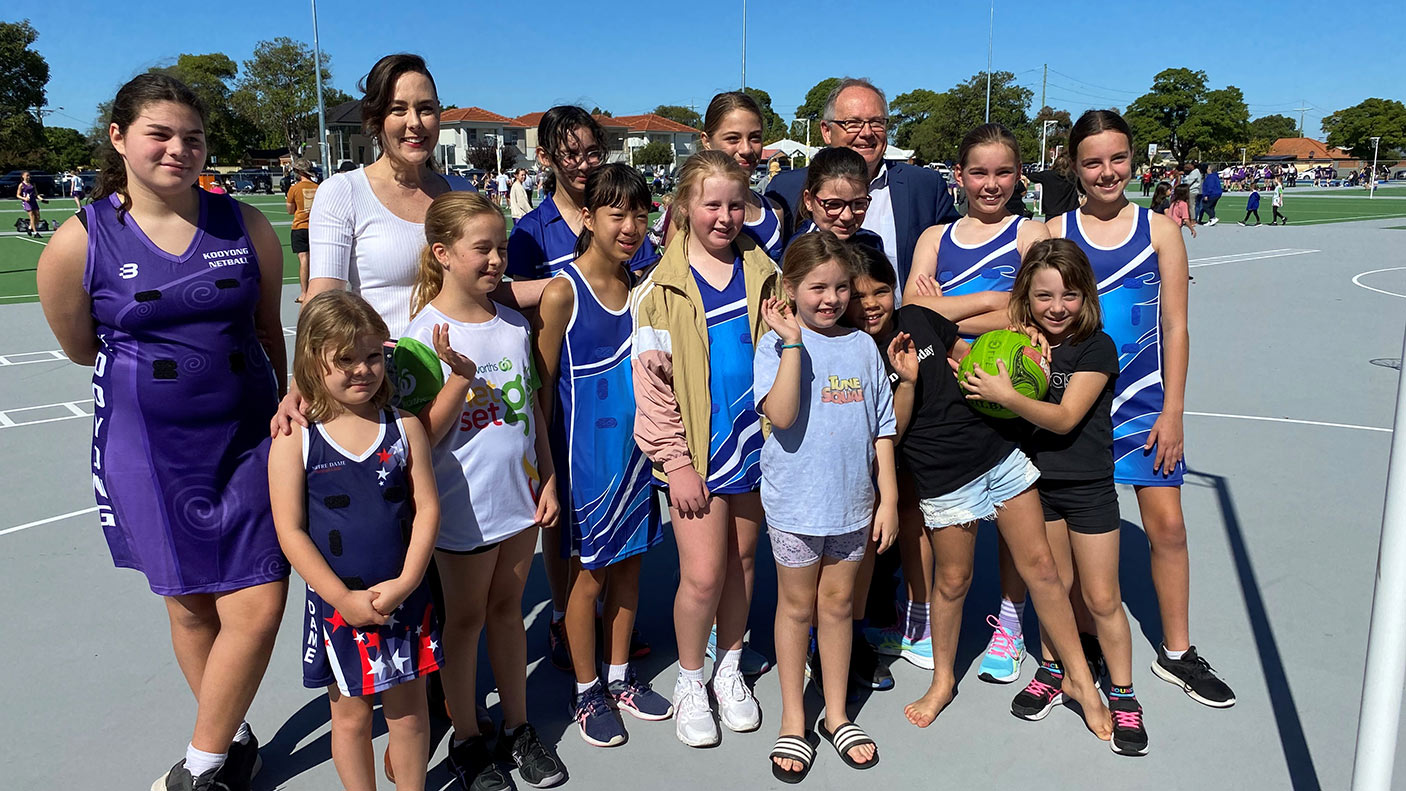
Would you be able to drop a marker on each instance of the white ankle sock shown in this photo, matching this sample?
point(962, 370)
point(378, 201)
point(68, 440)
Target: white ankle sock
point(616, 673)
point(728, 662)
point(691, 676)
point(244, 734)
point(1173, 655)
point(198, 762)
point(1010, 616)
point(581, 688)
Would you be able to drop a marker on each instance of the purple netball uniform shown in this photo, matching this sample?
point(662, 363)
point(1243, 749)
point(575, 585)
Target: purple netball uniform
point(28, 195)
point(183, 394)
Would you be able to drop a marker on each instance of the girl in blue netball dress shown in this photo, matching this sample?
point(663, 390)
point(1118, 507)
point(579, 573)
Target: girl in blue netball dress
point(1140, 263)
point(611, 514)
point(172, 295)
point(357, 512)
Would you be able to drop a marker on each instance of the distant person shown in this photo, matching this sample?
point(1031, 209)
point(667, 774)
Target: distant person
point(501, 183)
point(184, 389)
point(1162, 197)
point(905, 200)
point(1179, 211)
point(1277, 203)
point(299, 204)
point(30, 199)
point(1252, 206)
point(1191, 178)
point(519, 201)
point(1146, 182)
point(1058, 191)
point(217, 186)
point(1211, 190)
point(79, 189)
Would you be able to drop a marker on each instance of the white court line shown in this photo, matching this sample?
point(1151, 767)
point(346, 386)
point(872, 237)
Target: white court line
point(39, 522)
point(7, 416)
point(1239, 258)
point(19, 296)
point(30, 239)
point(1290, 420)
point(54, 355)
point(1360, 284)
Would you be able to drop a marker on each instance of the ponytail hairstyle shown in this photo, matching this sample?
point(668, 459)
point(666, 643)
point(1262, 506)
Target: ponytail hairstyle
point(1162, 192)
point(812, 250)
point(1069, 260)
point(985, 134)
point(701, 166)
point(333, 321)
point(834, 163)
point(1089, 124)
point(618, 185)
point(559, 127)
point(444, 225)
point(725, 104)
point(131, 99)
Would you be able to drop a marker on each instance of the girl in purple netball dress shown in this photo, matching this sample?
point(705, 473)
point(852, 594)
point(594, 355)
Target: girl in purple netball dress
point(172, 295)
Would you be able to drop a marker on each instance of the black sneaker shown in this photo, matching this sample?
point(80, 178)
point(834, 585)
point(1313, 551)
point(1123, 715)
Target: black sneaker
point(538, 766)
point(865, 669)
point(1195, 676)
point(1129, 734)
point(473, 763)
point(1093, 654)
point(180, 779)
point(1041, 695)
point(556, 643)
point(241, 764)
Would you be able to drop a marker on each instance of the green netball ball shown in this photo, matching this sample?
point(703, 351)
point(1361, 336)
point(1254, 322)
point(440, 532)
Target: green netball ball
point(1030, 374)
point(418, 374)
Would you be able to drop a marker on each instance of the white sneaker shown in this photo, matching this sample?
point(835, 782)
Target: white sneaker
point(1213, 221)
point(693, 717)
point(737, 707)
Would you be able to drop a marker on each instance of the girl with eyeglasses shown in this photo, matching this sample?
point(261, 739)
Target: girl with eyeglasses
point(836, 197)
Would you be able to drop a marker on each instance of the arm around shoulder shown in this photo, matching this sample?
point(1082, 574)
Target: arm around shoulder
point(63, 294)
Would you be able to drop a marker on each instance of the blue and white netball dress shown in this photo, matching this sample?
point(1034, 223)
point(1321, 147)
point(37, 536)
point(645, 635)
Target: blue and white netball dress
point(971, 269)
point(542, 244)
point(766, 231)
point(359, 515)
point(1129, 290)
point(605, 479)
point(735, 431)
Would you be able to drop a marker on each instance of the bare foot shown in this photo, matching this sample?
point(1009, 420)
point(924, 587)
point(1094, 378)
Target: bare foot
point(1096, 715)
point(924, 710)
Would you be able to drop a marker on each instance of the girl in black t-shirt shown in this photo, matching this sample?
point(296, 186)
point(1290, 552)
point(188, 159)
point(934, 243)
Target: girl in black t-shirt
point(964, 471)
point(1072, 445)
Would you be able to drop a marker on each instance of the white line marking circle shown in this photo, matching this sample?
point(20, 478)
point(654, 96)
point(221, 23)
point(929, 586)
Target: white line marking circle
point(1356, 281)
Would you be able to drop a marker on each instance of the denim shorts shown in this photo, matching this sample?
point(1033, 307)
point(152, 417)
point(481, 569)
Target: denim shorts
point(796, 551)
point(981, 498)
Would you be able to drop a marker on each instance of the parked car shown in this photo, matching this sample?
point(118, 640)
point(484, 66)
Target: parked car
point(42, 181)
point(260, 180)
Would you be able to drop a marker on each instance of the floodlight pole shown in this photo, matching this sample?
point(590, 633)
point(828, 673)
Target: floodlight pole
point(990, 37)
point(1380, 715)
point(744, 46)
point(1372, 190)
point(321, 111)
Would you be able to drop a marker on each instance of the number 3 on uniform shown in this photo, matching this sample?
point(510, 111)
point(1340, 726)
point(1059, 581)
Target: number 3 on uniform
point(127, 271)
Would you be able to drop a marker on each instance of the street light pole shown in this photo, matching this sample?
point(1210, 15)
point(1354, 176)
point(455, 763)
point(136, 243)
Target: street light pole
point(1044, 128)
point(744, 46)
point(321, 111)
point(1242, 156)
point(990, 37)
point(1372, 190)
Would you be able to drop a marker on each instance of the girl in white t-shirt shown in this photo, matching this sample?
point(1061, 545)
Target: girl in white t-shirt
point(493, 468)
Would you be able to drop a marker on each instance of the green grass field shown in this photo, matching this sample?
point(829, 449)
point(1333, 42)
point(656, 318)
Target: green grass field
point(19, 254)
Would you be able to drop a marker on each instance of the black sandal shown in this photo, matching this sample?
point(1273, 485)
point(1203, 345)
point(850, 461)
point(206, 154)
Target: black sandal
point(796, 748)
point(846, 738)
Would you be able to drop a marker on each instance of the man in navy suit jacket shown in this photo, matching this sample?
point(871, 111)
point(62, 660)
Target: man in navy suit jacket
point(906, 199)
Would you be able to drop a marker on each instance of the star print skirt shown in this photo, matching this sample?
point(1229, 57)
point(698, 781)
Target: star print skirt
point(366, 661)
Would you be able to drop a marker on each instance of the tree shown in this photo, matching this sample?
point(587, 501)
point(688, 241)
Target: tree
point(66, 148)
point(1273, 127)
point(1354, 127)
point(23, 75)
point(1180, 114)
point(486, 158)
point(228, 132)
point(908, 110)
point(773, 128)
point(680, 114)
point(934, 124)
point(277, 94)
point(813, 108)
point(599, 111)
point(654, 153)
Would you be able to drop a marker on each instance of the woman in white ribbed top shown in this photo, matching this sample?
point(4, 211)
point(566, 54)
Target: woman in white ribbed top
point(367, 226)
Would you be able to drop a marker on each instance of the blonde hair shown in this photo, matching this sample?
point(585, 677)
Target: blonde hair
point(701, 166)
point(444, 224)
point(333, 321)
point(1069, 260)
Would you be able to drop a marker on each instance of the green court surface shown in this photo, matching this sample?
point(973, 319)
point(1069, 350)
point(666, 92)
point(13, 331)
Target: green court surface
point(1316, 208)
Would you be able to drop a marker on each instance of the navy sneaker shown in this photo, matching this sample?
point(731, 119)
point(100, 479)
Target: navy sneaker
point(600, 727)
point(556, 642)
point(635, 696)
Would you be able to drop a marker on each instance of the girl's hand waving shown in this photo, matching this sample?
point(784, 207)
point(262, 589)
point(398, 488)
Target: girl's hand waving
point(782, 321)
point(904, 357)
point(459, 364)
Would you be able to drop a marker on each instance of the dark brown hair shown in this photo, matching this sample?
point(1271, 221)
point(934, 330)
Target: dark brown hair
point(984, 134)
point(131, 99)
point(378, 89)
point(723, 104)
point(835, 163)
point(1091, 123)
point(1068, 259)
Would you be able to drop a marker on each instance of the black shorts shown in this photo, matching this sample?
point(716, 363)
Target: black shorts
point(1088, 507)
point(300, 240)
point(475, 551)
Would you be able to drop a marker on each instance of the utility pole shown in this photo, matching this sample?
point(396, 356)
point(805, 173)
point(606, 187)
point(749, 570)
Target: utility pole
point(990, 37)
point(1302, 110)
point(1372, 190)
point(321, 111)
point(1044, 80)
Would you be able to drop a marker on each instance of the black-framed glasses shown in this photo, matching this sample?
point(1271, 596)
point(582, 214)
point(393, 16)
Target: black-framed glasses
point(571, 159)
point(834, 207)
point(856, 125)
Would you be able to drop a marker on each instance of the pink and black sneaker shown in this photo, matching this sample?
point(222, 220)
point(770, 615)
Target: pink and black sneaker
point(1041, 694)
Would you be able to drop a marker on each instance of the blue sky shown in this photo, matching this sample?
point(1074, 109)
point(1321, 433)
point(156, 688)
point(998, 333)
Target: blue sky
point(514, 58)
